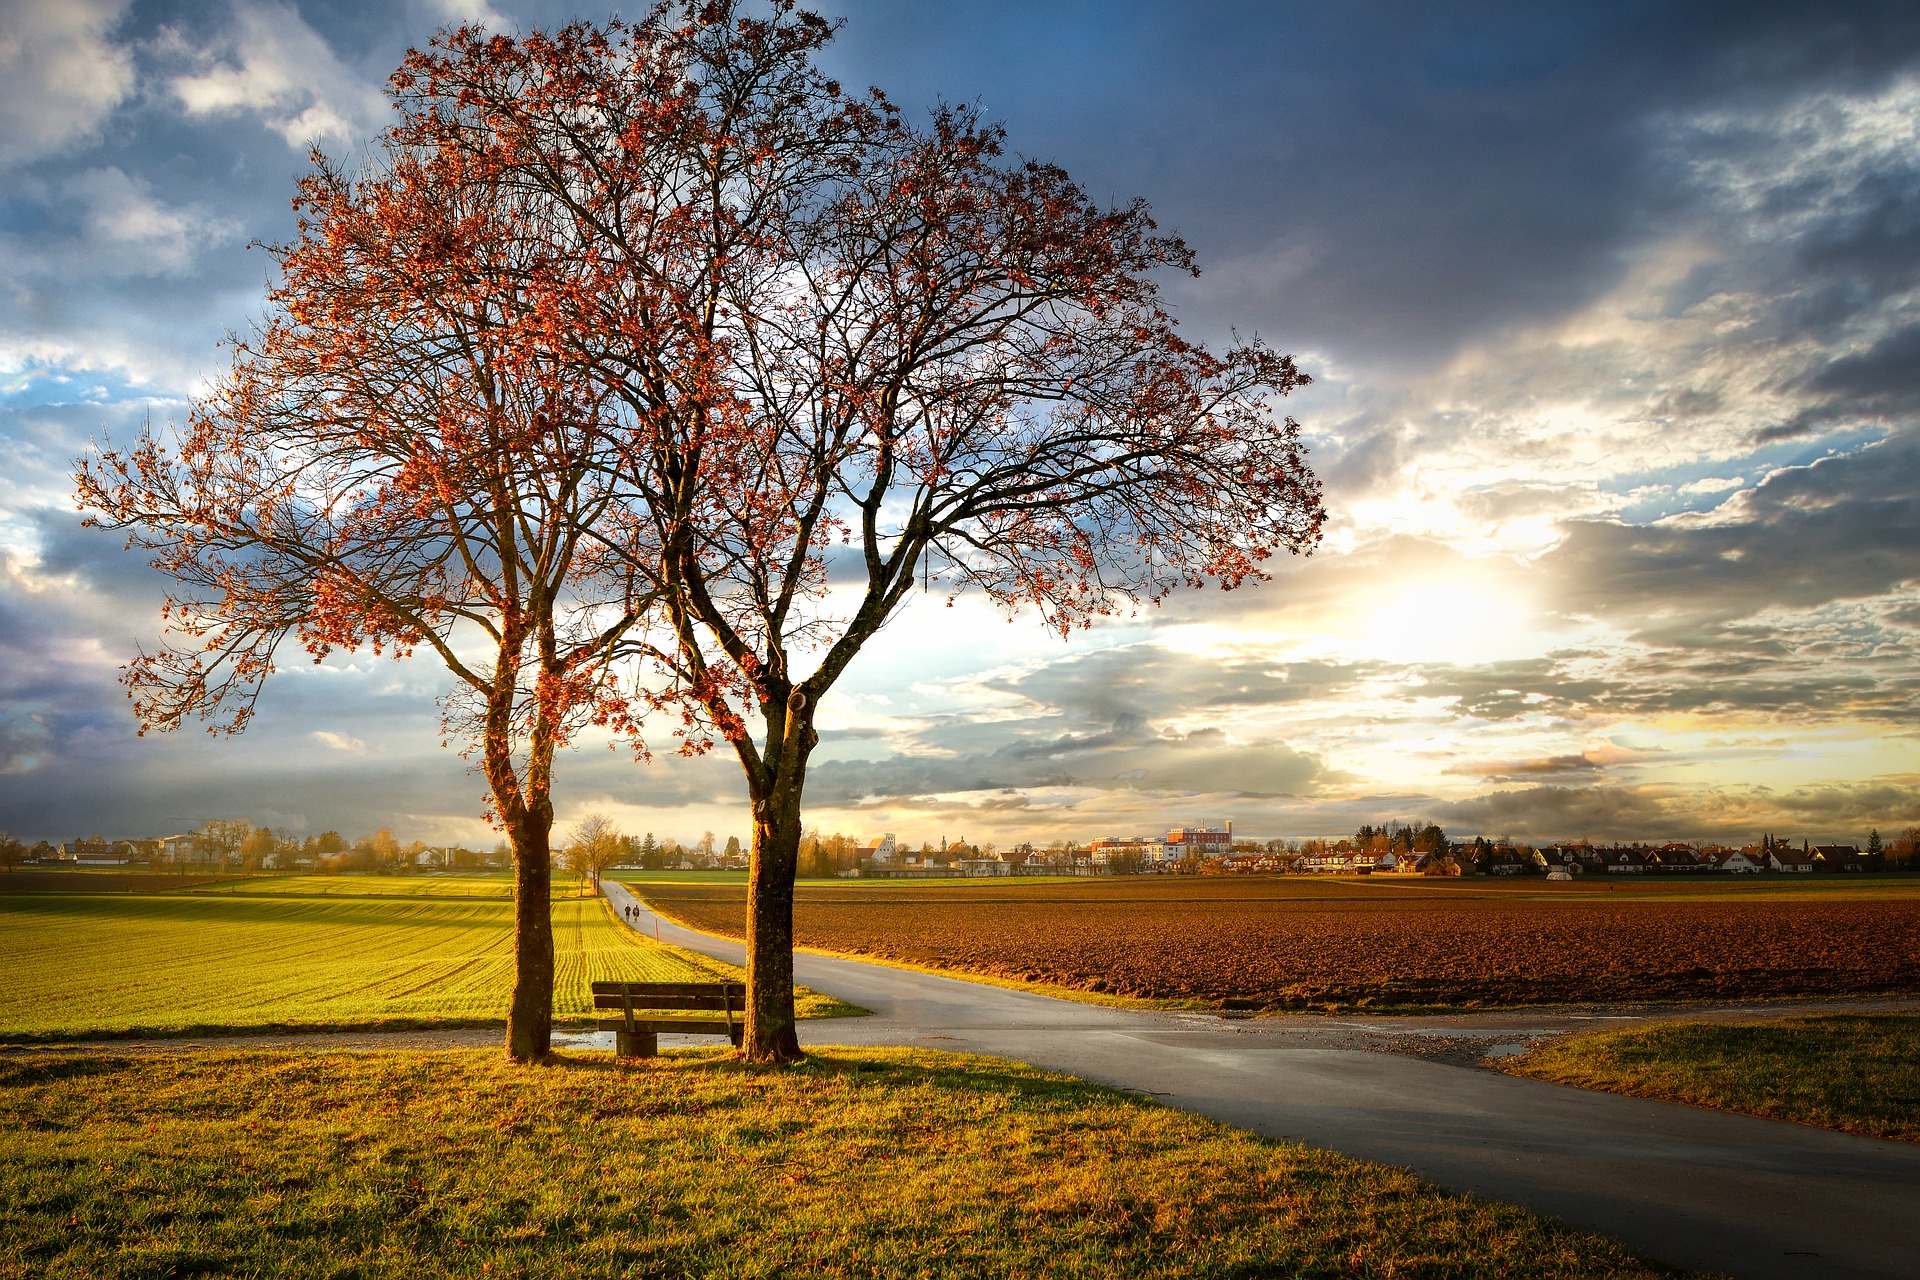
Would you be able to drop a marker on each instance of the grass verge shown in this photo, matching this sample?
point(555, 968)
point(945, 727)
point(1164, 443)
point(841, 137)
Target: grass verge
point(856, 1163)
point(1857, 1072)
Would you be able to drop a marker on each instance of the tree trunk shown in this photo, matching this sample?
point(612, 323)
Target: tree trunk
point(771, 1036)
point(530, 1016)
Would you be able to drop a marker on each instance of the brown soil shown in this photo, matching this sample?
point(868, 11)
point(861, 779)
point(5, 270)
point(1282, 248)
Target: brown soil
point(1280, 944)
point(20, 881)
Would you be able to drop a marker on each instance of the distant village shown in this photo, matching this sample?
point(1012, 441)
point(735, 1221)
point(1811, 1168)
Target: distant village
point(1395, 848)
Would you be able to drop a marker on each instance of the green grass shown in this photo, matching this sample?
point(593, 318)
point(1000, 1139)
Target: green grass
point(305, 952)
point(867, 1163)
point(1857, 1072)
point(361, 886)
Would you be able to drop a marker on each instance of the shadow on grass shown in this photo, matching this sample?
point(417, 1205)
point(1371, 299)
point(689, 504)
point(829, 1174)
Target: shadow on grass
point(215, 1030)
point(31, 1073)
point(886, 1068)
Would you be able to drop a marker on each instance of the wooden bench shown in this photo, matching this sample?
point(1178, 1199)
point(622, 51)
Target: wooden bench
point(638, 1036)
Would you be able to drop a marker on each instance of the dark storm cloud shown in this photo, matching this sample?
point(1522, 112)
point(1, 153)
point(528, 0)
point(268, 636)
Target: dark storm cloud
point(1887, 375)
point(1383, 179)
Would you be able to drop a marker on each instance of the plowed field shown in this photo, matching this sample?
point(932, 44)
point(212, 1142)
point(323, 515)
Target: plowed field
point(1291, 943)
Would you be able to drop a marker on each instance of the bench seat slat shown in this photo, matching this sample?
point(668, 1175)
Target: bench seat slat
point(650, 990)
point(713, 1003)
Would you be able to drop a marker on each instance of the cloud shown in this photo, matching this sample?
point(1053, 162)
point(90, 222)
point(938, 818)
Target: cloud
point(273, 66)
point(1885, 375)
point(1655, 812)
point(1844, 527)
point(1130, 685)
point(1712, 484)
point(125, 225)
point(449, 11)
point(339, 741)
point(60, 74)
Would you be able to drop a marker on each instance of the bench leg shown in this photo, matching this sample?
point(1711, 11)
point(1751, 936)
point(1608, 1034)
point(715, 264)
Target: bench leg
point(738, 1035)
point(636, 1044)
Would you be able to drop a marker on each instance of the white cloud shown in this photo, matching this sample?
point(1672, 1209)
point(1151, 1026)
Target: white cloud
point(127, 227)
point(1712, 484)
point(278, 68)
point(59, 74)
point(1785, 169)
point(339, 741)
point(451, 11)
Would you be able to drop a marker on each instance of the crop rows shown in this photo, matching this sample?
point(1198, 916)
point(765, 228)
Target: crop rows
point(1251, 946)
point(292, 952)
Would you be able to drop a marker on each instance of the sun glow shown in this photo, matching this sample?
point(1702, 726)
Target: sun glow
point(1456, 618)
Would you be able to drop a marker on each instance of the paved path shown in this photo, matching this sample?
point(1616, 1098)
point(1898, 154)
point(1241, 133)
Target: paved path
point(1692, 1188)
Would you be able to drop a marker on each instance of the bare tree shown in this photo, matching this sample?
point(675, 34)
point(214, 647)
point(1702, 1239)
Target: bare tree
point(593, 845)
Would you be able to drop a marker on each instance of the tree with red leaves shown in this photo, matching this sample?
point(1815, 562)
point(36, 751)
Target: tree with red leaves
point(835, 336)
point(396, 460)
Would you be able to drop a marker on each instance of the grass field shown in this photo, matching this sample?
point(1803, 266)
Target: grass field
point(1855, 1072)
point(303, 952)
point(1378, 943)
point(869, 1163)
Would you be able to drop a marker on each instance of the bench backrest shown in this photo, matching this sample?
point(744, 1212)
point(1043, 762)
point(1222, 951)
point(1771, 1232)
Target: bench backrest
point(729, 997)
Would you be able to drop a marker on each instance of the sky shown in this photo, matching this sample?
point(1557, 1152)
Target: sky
point(1613, 312)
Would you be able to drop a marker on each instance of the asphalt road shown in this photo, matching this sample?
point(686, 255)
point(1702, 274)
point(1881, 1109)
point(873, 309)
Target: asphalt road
point(1689, 1187)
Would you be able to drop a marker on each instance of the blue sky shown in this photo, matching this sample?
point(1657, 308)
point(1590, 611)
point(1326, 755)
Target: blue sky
point(1613, 317)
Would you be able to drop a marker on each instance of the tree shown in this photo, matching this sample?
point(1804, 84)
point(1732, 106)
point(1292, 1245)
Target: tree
point(733, 847)
point(12, 852)
point(383, 848)
point(651, 856)
point(223, 838)
point(1874, 846)
point(592, 847)
point(827, 327)
point(396, 460)
point(257, 848)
